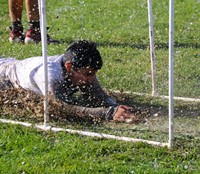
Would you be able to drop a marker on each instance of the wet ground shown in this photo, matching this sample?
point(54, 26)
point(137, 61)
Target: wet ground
point(22, 105)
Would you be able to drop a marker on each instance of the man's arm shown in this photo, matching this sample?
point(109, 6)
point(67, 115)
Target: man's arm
point(85, 112)
point(119, 113)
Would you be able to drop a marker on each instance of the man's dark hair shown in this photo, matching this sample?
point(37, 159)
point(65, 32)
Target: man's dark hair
point(82, 54)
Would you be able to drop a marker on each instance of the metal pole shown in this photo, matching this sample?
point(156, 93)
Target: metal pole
point(43, 29)
point(152, 52)
point(171, 73)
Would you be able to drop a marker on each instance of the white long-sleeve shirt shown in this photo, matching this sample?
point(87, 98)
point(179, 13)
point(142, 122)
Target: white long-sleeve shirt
point(29, 73)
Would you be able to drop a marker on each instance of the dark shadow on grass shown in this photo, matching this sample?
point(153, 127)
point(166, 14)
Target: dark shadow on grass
point(145, 46)
point(141, 46)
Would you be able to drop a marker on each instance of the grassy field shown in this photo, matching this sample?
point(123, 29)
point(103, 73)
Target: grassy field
point(24, 150)
point(121, 31)
point(120, 28)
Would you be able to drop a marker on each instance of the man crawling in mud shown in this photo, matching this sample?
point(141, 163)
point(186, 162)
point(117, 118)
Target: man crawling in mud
point(71, 80)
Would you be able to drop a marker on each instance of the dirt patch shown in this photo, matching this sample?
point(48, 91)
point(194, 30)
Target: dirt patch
point(21, 104)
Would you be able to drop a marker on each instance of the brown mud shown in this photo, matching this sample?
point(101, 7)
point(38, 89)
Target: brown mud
point(21, 104)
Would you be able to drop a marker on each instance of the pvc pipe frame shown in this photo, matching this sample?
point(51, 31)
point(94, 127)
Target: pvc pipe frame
point(152, 52)
point(85, 133)
point(43, 28)
point(187, 99)
point(171, 73)
point(42, 7)
point(47, 127)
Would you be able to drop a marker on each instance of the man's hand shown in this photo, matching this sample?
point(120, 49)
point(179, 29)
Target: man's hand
point(124, 114)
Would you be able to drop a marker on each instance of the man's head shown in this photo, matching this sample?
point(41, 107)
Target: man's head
point(82, 60)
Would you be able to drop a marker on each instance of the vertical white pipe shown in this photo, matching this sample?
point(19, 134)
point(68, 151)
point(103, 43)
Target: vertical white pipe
point(171, 73)
point(152, 52)
point(43, 29)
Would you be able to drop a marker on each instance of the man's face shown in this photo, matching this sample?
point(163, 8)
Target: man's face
point(83, 76)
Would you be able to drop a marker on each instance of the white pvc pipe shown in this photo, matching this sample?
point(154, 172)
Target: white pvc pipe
point(85, 133)
point(43, 28)
point(160, 96)
point(152, 52)
point(171, 73)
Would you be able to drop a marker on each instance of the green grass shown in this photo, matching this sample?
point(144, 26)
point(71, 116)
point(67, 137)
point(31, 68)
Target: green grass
point(29, 151)
point(120, 29)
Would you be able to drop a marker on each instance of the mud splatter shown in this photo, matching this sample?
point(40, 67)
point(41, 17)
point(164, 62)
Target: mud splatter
point(20, 103)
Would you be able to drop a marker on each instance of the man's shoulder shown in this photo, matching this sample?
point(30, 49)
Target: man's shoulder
point(55, 68)
point(7, 60)
point(55, 58)
point(38, 60)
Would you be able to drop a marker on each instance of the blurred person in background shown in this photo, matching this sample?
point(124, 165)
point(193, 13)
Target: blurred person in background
point(33, 34)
